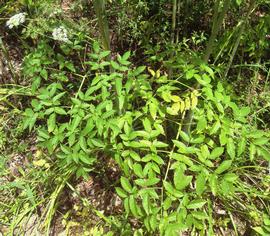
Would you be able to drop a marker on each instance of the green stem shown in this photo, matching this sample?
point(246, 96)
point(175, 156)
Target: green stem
point(241, 26)
point(186, 13)
point(99, 6)
point(80, 88)
point(173, 20)
point(169, 164)
point(174, 2)
point(225, 45)
point(178, 21)
point(217, 23)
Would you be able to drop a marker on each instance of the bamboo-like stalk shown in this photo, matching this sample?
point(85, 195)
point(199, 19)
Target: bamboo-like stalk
point(242, 25)
point(173, 20)
point(217, 22)
point(178, 21)
point(186, 12)
point(100, 9)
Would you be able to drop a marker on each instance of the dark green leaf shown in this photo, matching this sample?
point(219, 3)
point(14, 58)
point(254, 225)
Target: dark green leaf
point(51, 122)
point(213, 182)
point(195, 204)
point(126, 184)
point(118, 85)
point(133, 206)
point(225, 165)
point(200, 184)
point(217, 152)
point(147, 182)
point(121, 192)
point(231, 148)
point(60, 111)
point(181, 181)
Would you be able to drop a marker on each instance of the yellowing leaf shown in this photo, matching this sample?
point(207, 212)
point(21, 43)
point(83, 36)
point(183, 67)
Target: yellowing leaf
point(38, 154)
point(182, 106)
point(47, 165)
point(157, 74)
point(176, 107)
point(151, 72)
point(175, 98)
point(187, 103)
point(196, 93)
point(194, 101)
point(166, 96)
point(39, 163)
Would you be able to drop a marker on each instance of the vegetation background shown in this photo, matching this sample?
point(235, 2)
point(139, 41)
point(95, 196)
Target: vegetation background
point(134, 117)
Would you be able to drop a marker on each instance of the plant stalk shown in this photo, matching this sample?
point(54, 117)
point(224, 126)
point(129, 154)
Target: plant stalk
point(173, 20)
point(178, 21)
point(217, 24)
point(174, 9)
point(100, 9)
point(242, 25)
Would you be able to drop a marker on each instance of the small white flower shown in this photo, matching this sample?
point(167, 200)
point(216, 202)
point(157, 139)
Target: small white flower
point(60, 34)
point(16, 20)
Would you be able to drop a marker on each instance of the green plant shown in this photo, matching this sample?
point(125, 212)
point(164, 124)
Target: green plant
point(186, 152)
point(137, 119)
point(265, 229)
point(204, 161)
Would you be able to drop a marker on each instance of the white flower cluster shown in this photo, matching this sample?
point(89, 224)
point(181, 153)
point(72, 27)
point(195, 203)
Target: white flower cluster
point(16, 20)
point(60, 34)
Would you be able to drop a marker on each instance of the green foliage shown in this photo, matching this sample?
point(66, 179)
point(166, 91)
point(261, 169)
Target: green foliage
point(89, 105)
point(167, 175)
